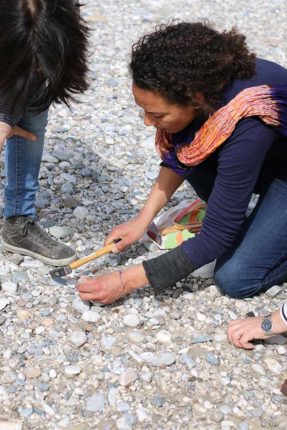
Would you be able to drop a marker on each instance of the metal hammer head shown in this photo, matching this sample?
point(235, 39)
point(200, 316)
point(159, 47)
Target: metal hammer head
point(60, 271)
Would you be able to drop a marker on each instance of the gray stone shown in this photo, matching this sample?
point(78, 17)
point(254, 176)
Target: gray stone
point(80, 212)
point(60, 232)
point(96, 403)
point(211, 359)
point(9, 287)
point(128, 377)
point(78, 338)
point(131, 320)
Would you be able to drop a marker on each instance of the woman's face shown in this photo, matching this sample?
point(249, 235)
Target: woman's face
point(160, 113)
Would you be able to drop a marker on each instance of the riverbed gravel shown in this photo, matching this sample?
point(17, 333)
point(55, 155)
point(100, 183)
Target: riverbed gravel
point(145, 362)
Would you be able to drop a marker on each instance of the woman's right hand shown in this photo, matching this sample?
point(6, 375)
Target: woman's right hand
point(128, 233)
point(6, 131)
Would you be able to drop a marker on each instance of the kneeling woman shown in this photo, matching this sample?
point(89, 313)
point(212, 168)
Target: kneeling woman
point(219, 113)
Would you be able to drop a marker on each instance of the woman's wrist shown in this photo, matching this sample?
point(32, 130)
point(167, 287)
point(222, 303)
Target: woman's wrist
point(278, 324)
point(133, 278)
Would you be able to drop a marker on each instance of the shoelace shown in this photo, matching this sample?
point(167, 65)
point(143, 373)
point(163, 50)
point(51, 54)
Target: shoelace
point(38, 233)
point(25, 225)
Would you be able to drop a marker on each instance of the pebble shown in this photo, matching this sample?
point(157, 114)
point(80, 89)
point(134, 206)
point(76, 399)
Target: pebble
point(72, 371)
point(96, 403)
point(19, 277)
point(211, 359)
point(80, 305)
point(274, 366)
point(164, 359)
point(33, 372)
point(78, 338)
point(128, 377)
point(60, 232)
point(9, 287)
point(201, 339)
point(3, 303)
point(131, 320)
point(80, 212)
point(90, 316)
point(163, 336)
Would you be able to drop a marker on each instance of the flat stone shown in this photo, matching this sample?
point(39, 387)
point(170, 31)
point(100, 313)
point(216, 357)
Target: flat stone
point(78, 338)
point(164, 359)
point(9, 287)
point(95, 403)
point(128, 377)
point(80, 305)
point(32, 372)
point(72, 371)
point(60, 232)
point(80, 212)
point(274, 366)
point(91, 316)
point(131, 320)
point(163, 336)
point(3, 303)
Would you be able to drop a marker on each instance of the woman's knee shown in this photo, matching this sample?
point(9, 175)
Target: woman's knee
point(234, 281)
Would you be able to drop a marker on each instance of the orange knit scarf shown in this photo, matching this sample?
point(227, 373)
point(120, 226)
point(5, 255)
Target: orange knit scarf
point(254, 101)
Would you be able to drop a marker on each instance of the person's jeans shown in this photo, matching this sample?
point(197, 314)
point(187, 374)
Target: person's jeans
point(258, 259)
point(22, 160)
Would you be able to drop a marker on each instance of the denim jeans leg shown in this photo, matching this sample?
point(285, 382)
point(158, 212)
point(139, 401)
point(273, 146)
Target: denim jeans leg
point(23, 160)
point(258, 259)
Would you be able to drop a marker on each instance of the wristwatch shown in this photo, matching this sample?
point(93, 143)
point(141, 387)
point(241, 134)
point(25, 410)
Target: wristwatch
point(266, 325)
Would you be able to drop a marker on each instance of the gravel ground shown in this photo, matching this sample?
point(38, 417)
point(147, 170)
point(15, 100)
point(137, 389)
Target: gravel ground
point(146, 362)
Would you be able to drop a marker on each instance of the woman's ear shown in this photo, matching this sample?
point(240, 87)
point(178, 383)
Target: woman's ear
point(199, 99)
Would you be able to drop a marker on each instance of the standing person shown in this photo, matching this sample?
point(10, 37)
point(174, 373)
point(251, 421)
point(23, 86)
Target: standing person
point(241, 332)
point(220, 116)
point(43, 49)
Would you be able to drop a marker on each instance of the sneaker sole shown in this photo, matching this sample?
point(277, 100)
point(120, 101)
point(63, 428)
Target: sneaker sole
point(46, 260)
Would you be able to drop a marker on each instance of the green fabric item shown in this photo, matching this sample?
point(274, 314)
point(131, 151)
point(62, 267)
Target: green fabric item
point(169, 241)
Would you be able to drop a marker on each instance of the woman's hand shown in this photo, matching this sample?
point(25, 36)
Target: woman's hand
point(112, 286)
point(6, 131)
point(242, 332)
point(128, 233)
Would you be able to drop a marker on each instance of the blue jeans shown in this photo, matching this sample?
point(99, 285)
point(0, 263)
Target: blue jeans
point(22, 160)
point(258, 259)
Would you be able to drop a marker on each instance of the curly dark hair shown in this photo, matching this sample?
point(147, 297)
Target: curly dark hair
point(43, 50)
point(179, 59)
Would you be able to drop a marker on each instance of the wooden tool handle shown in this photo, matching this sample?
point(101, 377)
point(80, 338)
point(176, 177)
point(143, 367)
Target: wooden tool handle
point(106, 250)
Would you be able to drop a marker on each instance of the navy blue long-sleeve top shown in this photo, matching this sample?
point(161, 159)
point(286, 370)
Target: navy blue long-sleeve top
point(243, 165)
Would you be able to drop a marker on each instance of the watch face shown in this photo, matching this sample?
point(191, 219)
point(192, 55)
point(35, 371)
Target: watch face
point(266, 325)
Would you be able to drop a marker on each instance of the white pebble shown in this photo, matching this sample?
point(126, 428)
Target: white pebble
point(131, 320)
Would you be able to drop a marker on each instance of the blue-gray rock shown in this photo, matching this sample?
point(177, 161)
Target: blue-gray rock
point(25, 412)
point(158, 401)
point(67, 188)
point(95, 403)
point(69, 178)
point(201, 339)
point(187, 360)
point(126, 422)
point(108, 341)
point(80, 212)
point(211, 359)
point(60, 232)
point(19, 277)
point(78, 338)
point(123, 407)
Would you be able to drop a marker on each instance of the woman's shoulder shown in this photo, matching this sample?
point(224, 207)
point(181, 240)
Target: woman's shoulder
point(266, 73)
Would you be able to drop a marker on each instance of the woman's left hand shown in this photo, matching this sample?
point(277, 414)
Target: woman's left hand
point(241, 332)
point(112, 286)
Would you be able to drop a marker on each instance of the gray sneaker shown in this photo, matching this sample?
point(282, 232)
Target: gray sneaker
point(22, 235)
